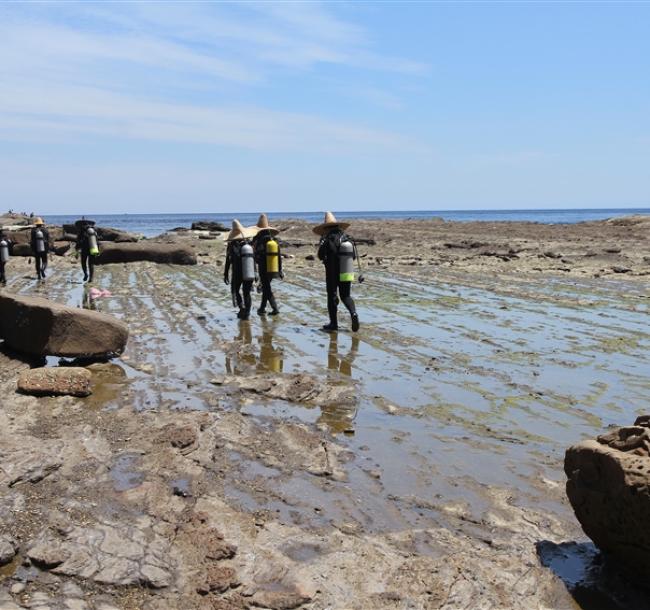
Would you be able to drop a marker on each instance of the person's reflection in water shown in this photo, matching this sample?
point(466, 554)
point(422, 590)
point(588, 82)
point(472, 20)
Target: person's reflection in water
point(270, 357)
point(239, 356)
point(89, 303)
point(340, 418)
point(336, 362)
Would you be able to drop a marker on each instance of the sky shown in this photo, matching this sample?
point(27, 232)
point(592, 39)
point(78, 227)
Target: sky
point(163, 107)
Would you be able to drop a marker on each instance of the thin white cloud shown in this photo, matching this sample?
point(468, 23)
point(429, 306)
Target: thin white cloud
point(121, 70)
point(24, 113)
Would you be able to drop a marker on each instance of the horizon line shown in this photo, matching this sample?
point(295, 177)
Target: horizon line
point(341, 212)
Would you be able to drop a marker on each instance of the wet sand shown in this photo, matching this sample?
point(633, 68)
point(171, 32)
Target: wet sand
point(415, 464)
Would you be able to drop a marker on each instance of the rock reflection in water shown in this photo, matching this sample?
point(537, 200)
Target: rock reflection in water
point(594, 582)
point(108, 382)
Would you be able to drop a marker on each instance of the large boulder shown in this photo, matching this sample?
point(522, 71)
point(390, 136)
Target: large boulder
point(40, 327)
point(103, 233)
point(145, 251)
point(21, 238)
point(21, 250)
point(61, 381)
point(208, 225)
point(609, 488)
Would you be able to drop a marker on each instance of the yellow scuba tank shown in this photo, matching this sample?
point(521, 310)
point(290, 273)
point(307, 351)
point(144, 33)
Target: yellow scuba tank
point(272, 258)
point(92, 241)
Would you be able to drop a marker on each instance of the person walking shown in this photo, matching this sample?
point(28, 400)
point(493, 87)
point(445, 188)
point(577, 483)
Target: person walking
point(86, 245)
point(240, 259)
point(337, 252)
point(269, 262)
point(6, 246)
point(40, 244)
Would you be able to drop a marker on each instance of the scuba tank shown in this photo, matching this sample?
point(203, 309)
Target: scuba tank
point(247, 263)
point(272, 258)
point(4, 251)
point(40, 242)
point(92, 241)
point(346, 261)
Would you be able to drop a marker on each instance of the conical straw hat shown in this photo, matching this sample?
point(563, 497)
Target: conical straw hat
point(240, 232)
point(263, 225)
point(329, 222)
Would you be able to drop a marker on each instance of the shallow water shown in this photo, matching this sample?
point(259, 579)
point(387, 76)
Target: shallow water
point(460, 387)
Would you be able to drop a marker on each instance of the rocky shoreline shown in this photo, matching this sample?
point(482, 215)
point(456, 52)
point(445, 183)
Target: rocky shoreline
point(219, 464)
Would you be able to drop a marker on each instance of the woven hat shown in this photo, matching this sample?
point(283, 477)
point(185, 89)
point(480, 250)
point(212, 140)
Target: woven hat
point(263, 225)
point(329, 222)
point(39, 221)
point(241, 232)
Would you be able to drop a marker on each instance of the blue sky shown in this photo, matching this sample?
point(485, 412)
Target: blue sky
point(212, 107)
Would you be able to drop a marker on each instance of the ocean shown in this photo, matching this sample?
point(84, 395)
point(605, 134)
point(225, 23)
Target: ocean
point(150, 225)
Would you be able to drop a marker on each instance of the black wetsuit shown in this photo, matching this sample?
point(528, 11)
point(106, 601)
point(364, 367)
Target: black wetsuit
point(328, 252)
point(233, 259)
point(259, 247)
point(83, 246)
point(40, 258)
point(10, 244)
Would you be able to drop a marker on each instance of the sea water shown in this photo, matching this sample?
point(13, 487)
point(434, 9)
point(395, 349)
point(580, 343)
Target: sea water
point(155, 224)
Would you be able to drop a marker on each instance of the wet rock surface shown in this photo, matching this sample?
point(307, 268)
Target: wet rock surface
point(208, 225)
point(103, 234)
point(227, 469)
point(8, 549)
point(42, 327)
point(71, 381)
point(609, 488)
point(144, 251)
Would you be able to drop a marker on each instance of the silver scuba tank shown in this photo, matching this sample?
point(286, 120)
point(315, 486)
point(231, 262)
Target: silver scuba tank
point(40, 242)
point(247, 263)
point(92, 241)
point(4, 251)
point(346, 261)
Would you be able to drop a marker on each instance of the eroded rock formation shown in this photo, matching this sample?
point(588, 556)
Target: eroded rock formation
point(609, 488)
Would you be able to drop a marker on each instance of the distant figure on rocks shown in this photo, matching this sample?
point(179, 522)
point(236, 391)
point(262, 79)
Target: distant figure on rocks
point(87, 247)
point(338, 253)
point(40, 244)
point(240, 258)
point(6, 246)
point(269, 262)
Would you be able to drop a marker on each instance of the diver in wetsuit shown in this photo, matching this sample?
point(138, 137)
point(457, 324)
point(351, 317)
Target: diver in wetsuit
point(242, 265)
point(40, 244)
point(269, 263)
point(84, 248)
point(333, 242)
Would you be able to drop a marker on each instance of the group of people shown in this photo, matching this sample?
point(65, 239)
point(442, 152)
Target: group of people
point(253, 255)
point(40, 244)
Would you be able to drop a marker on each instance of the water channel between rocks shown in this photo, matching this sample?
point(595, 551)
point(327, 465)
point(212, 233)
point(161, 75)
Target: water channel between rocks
point(462, 388)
